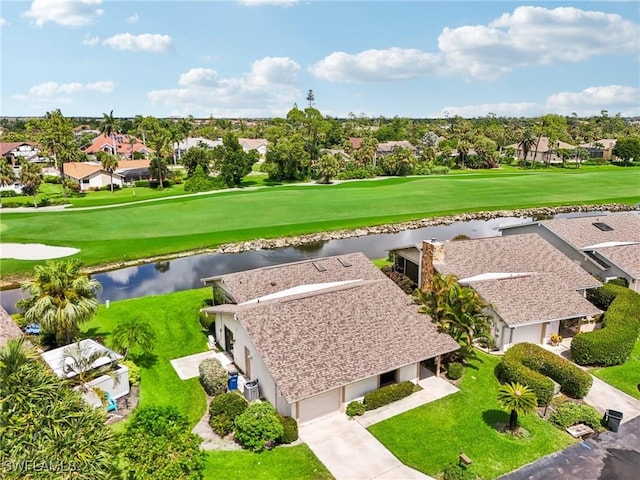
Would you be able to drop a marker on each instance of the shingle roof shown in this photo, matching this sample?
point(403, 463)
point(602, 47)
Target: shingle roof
point(319, 340)
point(544, 145)
point(543, 289)
point(253, 143)
point(391, 145)
point(626, 257)
point(580, 232)
point(250, 284)
point(8, 328)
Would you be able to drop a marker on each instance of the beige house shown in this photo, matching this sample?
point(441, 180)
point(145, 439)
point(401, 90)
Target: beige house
point(607, 246)
point(531, 287)
point(320, 333)
point(602, 148)
point(544, 151)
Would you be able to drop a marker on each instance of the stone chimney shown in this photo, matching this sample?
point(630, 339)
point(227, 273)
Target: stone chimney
point(432, 253)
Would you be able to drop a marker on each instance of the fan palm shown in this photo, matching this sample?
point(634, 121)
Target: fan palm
point(133, 334)
point(519, 399)
point(109, 163)
point(527, 143)
point(31, 179)
point(60, 298)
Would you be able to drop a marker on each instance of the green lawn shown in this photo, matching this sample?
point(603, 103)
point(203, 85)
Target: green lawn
point(429, 438)
point(141, 230)
point(294, 463)
point(624, 377)
point(178, 333)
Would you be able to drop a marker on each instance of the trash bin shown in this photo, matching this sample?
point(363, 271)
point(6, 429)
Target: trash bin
point(232, 382)
point(613, 418)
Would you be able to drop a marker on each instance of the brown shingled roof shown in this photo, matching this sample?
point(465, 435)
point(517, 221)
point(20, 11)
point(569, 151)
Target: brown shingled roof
point(8, 328)
point(580, 232)
point(626, 257)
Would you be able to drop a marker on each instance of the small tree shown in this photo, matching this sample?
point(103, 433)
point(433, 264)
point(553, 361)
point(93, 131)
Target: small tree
point(31, 178)
point(328, 167)
point(133, 334)
point(258, 427)
point(78, 364)
point(519, 399)
point(627, 149)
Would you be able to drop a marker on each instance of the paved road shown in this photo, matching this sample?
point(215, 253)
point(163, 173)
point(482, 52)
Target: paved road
point(608, 456)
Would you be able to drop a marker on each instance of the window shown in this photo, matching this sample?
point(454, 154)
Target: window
point(85, 180)
point(388, 378)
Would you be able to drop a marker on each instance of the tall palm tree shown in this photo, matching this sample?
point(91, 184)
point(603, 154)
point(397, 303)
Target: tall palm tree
point(60, 298)
point(109, 128)
point(132, 142)
point(527, 143)
point(519, 399)
point(7, 175)
point(463, 150)
point(133, 334)
point(109, 163)
point(31, 179)
point(158, 168)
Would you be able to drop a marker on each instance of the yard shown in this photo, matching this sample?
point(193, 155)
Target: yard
point(136, 231)
point(430, 438)
point(625, 377)
point(178, 333)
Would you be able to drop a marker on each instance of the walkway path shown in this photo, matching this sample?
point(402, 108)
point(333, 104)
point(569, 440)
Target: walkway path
point(350, 452)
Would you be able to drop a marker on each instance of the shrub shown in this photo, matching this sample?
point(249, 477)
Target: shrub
point(51, 179)
point(457, 472)
point(258, 427)
point(422, 169)
point(355, 409)
point(290, 429)
point(105, 188)
point(213, 376)
point(614, 342)
point(620, 281)
point(386, 395)
point(555, 339)
point(532, 365)
point(602, 297)
point(134, 372)
point(222, 425)
point(141, 183)
point(206, 321)
point(455, 371)
point(440, 170)
point(230, 404)
point(569, 414)
point(200, 182)
point(9, 193)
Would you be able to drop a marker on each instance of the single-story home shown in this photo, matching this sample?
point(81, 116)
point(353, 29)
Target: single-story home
point(188, 143)
point(530, 286)
point(126, 146)
point(259, 144)
point(319, 333)
point(543, 151)
point(602, 148)
point(92, 175)
point(60, 359)
point(607, 246)
point(386, 148)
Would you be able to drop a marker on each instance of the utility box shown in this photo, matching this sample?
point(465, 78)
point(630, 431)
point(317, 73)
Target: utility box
point(613, 419)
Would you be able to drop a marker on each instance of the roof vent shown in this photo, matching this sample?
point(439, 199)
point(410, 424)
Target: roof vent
point(319, 267)
point(603, 226)
point(345, 262)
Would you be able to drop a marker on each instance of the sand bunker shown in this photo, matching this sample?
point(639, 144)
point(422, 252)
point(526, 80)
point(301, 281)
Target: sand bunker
point(34, 251)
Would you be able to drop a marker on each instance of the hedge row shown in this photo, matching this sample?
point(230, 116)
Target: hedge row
point(386, 395)
point(614, 342)
point(569, 414)
point(534, 366)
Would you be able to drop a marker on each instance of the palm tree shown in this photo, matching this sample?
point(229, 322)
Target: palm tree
point(519, 399)
point(132, 141)
point(133, 334)
point(78, 365)
point(60, 298)
point(526, 144)
point(13, 356)
point(158, 168)
point(109, 163)
point(109, 127)
point(328, 167)
point(7, 175)
point(463, 150)
point(31, 179)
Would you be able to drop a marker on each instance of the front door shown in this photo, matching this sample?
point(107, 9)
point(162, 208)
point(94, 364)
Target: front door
point(228, 341)
point(247, 362)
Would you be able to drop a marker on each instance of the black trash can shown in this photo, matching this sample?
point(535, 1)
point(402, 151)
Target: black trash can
point(613, 418)
point(232, 383)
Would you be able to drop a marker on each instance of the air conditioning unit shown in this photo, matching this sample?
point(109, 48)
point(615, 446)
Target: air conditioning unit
point(251, 390)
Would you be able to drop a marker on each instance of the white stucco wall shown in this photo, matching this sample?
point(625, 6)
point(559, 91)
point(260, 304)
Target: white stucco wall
point(409, 373)
point(527, 333)
point(116, 388)
point(319, 405)
point(358, 389)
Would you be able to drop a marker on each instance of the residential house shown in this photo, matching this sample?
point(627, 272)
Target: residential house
point(259, 144)
point(344, 156)
point(544, 151)
point(92, 175)
point(602, 149)
point(386, 148)
point(8, 328)
point(16, 151)
point(319, 333)
point(188, 143)
point(126, 146)
point(85, 129)
point(607, 246)
point(132, 170)
point(61, 362)
point(355, 142)
point(532, 288)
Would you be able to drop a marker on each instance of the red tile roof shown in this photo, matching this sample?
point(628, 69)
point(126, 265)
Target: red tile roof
point(6, 147)
point(123, 147)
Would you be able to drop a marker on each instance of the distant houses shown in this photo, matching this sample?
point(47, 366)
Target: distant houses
point(120, 144)
point(91, 175)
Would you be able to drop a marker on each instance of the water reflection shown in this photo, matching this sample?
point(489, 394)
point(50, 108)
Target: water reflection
point(186, 273)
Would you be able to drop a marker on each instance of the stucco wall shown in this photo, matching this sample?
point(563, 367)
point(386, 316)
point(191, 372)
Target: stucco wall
point(358, 389)
point(409, 373)
point(116, 388)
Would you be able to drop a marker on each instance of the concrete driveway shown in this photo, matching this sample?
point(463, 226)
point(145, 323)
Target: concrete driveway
point(187, 367)
point(350, 452)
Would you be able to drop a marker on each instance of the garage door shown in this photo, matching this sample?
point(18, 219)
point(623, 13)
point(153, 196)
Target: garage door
point(530, 333)
point(323, 404)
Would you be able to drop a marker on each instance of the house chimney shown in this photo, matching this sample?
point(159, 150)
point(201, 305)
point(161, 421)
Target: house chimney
point(432, 253)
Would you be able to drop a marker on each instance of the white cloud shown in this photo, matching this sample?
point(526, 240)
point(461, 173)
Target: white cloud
point(268, 89)
point(123, 275)
point(133, 18)
point(3, 22)
point(145, 42)
point(49, 89)
point(376, 65)
point(277, 3)
point(529, 36)
point(588, 102)
point(70, 13)
point(90, 40)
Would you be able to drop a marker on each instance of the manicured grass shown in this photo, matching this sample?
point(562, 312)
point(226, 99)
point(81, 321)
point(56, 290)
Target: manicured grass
point(294, 463)
point(429, 438)
point(624, 377)
point(174, 318)
point(382, 262)
point(142, 230)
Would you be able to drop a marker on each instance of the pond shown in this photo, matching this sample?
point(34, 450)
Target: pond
point(186, 273)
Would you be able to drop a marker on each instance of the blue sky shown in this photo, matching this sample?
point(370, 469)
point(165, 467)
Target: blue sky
point(256, 58)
